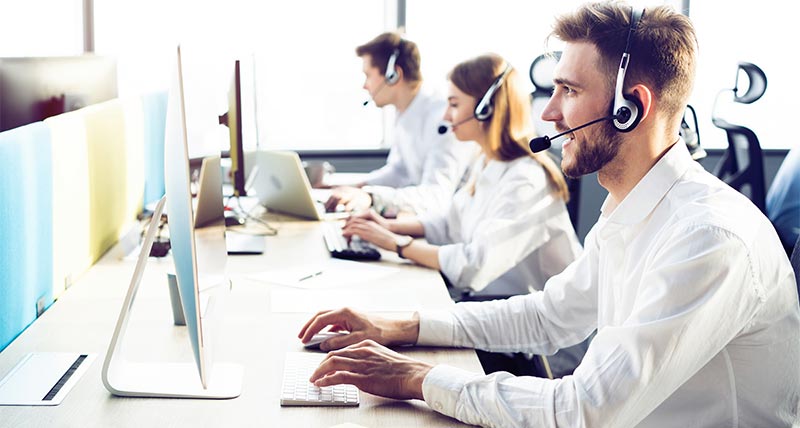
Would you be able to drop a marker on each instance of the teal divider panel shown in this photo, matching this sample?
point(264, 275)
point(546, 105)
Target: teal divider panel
point(26, 227)
point(155, 120)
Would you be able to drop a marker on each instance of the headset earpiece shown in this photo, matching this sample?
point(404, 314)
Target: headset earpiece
point(391, 75)
point(628, 114)
point(484, 108)
point(627, 109)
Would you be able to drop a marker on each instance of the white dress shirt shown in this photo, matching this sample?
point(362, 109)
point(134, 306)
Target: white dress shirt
point(510, 236)
point(423, 167)
point(696, 309)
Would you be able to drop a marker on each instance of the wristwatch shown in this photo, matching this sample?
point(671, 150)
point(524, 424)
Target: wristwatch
point(402, 242)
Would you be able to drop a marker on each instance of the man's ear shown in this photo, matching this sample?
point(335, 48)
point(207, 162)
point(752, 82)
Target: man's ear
point(645, 97)
point(399, 71)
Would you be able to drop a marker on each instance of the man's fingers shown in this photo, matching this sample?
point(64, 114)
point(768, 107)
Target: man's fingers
point(339, 378)
point(320, 321)
point(308, 323)
point(340, 342)
point(333, 363)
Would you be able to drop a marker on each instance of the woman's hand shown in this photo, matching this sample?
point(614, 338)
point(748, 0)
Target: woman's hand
point(371, 230)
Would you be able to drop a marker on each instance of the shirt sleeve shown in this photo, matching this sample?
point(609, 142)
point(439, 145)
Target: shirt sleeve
point(697, 292)
point(435, 226)
point(389, 174)
point(540, 322)
point(419, 199)
point(521, 223)
point(447, 161)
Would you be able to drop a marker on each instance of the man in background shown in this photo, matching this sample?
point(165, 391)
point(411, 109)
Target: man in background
point(424, 166)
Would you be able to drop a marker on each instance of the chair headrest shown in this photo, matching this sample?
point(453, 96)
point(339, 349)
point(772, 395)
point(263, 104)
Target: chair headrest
point(541, 73)
point(756, 87)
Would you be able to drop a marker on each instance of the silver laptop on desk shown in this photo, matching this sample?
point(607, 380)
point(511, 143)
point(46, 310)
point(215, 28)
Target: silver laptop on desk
point(281, 185)
point(210, 210)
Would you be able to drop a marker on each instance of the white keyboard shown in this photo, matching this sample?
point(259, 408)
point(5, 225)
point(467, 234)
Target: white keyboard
point(298, 391)
point(338, 246)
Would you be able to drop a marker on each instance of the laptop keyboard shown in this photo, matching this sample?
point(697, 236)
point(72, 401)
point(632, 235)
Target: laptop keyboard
point(339, 248)
point(298, 391)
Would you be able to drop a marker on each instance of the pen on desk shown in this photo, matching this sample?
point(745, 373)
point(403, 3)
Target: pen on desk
point(310, 276)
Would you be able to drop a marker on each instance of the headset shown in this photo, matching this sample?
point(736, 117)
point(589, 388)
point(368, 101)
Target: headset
point(391, 74)
point(627, 109)
point(484, 109)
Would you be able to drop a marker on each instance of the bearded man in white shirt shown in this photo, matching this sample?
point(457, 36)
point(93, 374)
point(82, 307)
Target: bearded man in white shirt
point(424, 166)
point(693, 298)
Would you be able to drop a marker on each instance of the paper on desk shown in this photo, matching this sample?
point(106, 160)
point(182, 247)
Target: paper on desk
point(373, 299)
point(348, 425)
point(333, 273)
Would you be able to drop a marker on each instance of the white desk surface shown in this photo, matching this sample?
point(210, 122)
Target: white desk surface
point(83, 319)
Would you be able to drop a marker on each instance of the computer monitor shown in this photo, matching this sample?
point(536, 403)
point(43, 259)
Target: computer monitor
point(33, 89)
point(199, 258)
point(233, 120)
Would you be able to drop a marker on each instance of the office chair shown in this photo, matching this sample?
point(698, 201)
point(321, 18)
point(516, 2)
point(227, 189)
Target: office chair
point(541, 75)
point(690, 134)
point(796, 264)
point(742, 164)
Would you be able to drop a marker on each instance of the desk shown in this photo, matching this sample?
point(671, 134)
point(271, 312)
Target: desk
point(83, 320)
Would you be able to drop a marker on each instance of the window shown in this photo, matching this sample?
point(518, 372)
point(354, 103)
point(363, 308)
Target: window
point(740, 30)
point(302, 54)
point(41, 28)
point(450, 31)
point(308, 79)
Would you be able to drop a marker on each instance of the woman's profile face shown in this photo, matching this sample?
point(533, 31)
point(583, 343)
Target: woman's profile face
point(461, 114)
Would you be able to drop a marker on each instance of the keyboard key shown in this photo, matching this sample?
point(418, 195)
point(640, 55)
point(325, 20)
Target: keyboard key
point(339, 248)
point(298, 391)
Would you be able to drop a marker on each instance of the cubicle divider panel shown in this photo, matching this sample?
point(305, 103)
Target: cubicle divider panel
point(71, 220)
point(26, 228)
point(108, 175)
point(154, 107)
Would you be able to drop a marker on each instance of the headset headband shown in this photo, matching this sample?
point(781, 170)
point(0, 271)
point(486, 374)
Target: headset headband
point(484, 109)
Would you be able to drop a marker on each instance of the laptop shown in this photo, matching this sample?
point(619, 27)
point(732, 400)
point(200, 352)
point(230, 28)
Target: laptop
point(210, 210)
point(281, 185)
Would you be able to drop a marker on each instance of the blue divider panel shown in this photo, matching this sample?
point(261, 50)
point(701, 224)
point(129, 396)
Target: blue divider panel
point(155, 119)
point(26, 227)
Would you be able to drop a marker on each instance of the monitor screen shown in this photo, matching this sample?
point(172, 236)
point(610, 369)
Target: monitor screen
point(199, 257)
point(33, 89)
point(233, 119)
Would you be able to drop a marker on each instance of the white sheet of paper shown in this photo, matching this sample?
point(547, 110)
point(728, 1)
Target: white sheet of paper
point(373, 299)
point(333, 273)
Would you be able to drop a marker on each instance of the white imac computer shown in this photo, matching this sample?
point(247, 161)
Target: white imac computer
point(199, 265)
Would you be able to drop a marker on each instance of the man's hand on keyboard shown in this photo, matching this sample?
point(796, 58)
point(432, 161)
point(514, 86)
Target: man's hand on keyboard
point(352, 198)
point(375, 369)
point(361, 327)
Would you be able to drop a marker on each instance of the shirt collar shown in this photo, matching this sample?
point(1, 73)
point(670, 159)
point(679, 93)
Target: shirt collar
point(416, 108)
point(644, 197)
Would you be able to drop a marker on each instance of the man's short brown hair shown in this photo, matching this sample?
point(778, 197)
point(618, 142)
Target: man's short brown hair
point(381, 48)
point(662, 54)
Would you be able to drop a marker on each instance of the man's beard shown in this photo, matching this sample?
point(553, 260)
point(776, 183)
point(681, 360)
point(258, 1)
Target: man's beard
point(594, 152)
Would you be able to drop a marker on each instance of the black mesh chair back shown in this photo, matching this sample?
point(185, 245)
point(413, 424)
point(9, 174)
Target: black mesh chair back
point(796, 264)
point(742, 164)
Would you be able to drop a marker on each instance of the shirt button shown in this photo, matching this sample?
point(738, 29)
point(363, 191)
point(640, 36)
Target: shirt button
point(438, 406)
